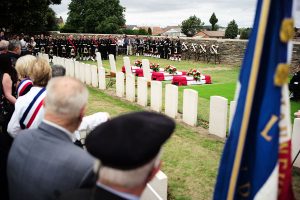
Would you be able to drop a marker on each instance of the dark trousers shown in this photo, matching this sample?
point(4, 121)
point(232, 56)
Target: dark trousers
point(5, 144)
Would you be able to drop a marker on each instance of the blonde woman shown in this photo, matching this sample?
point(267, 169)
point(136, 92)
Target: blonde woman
point(23, 66)
point(29, 110)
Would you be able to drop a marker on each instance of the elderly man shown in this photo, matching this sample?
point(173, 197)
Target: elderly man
point(128, 148)
point(3, 46)
point(14, 51)
point(43, 162)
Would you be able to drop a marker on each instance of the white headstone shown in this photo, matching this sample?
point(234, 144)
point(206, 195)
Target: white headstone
point(94, 76)
point(190, 107)
point(127, 65)
point(72, 68)
point(82, 72)
point(157, 188)
point(88, 74)
point(54, 60)
point(171, 100)
point(99, 59)
point(156, 96)
point(46, 57)
point(231, 112)
point(67, 64)
point(218, 116)
point(112, 62)
point(120, 84)
point(77, 70)
point(146, 69)
point(296, 141)
point(142, 91)
point(102, 80)
point(130, 87)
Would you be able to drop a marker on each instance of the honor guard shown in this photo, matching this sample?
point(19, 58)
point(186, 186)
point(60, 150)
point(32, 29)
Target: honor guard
point(94, 47)
point(112, 49)
point(63, 45)
point(43, 44)
point(85, 47)
point(50, 48)
point(71, 48)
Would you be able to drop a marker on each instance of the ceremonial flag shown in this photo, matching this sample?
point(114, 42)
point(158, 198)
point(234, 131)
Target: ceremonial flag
point(256, 161)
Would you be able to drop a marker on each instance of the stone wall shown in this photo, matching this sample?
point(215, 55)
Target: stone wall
point(232, 51)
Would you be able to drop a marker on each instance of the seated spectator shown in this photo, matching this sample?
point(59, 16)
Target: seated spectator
point(3, 46)
point(29, 109)
point(58, 70)
point(23, 67)
point(44, 162)
point(128, 148)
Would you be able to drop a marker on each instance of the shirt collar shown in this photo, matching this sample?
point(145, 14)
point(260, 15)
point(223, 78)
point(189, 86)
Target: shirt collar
point(121, 194)
point(68, 133)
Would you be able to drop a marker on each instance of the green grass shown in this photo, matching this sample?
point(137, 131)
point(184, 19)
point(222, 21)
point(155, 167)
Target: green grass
point(190, 158)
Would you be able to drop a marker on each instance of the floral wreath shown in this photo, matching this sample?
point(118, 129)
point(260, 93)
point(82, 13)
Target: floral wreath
point(138, 63)
point(195, 73)
point(154, 67)
point(171, 69)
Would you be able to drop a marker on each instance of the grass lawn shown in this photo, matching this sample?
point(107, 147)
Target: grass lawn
point(190, 158)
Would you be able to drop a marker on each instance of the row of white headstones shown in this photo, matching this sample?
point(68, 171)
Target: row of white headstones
point(126, 87)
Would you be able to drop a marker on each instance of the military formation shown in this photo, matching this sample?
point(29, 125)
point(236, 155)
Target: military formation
point(84, 47)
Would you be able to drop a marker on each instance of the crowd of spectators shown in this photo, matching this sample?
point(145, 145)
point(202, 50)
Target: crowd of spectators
point(41, 156)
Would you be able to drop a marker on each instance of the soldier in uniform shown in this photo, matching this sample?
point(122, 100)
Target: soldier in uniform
point(63, 45)
point(112, 48)
point(50, 47)
point(37, 46)
point(94, 47)
point(85, 48)
point(71, 48)
point(43, 44)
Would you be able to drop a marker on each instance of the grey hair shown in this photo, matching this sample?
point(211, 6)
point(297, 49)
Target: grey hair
point(58, 70)
point(13, 44)
point(66, 96)
point(129, 178)
point(4, 45)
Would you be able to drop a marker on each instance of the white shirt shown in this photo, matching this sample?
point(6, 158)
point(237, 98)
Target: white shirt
point(20, 107)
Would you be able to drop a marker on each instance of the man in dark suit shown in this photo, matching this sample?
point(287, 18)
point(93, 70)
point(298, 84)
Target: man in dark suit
point(128, 148)
point(44, 162)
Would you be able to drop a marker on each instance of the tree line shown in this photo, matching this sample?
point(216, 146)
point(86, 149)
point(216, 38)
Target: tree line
point(90, 16)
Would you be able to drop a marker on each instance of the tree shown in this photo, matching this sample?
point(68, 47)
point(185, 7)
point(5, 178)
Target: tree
point(27, 16)
point(149, 31)
point(245, 33)
point(101, 16)
point(213, 20)
point(232, 30)
point(191, 26)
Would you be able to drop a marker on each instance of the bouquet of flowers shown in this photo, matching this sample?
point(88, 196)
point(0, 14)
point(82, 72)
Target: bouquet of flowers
point(171, 69)
point(138, 63)
point(154, 67)
point(195, 73)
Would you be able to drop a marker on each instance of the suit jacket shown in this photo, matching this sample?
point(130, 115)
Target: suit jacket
point(44, 162)
point(96, 193)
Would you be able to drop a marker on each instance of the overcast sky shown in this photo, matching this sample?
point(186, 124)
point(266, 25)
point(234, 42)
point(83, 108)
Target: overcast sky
point(173, 12)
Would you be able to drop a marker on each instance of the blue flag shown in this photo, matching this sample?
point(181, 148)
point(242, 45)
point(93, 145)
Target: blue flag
point(249, 167)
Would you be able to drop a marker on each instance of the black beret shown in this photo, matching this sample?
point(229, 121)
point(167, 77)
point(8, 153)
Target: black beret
point(131, 140)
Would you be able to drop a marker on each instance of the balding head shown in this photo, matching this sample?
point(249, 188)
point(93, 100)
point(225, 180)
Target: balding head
point(66, 97)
